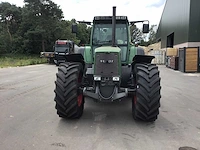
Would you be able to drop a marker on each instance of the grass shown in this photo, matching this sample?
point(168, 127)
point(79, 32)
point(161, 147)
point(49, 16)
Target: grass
point(12, 60)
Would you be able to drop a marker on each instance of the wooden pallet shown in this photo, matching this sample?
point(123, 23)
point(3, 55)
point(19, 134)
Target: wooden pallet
point(174, 63)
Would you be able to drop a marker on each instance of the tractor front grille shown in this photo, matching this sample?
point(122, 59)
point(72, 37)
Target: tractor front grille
point(106, 64)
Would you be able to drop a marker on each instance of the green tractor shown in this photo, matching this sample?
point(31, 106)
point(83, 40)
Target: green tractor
point(110, 69)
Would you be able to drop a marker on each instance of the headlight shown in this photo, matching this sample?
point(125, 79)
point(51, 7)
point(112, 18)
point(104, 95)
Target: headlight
point(115, 78)
point(42, 54)
point(97, 78)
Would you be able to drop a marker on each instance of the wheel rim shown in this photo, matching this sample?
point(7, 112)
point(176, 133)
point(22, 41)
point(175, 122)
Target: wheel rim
point(80, 96)
point(135, 99)
point(80, 99)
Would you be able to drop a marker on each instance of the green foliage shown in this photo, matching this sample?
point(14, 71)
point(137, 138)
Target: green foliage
point(136, 34)
point(35, 27)
point(10, 19)
point(14, 60)
point(152, 34)
point(63, 31)
point(41, 17)
point(151, 37)
point(83, 33)
point(39, 23)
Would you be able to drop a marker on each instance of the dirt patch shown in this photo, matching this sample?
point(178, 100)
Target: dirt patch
point(187, 148)
point(58, 144)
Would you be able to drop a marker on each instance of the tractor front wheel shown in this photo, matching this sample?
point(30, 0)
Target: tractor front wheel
point(68, 95)
point(146, 101)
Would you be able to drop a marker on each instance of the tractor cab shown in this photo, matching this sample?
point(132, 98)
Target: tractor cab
point(103, 31)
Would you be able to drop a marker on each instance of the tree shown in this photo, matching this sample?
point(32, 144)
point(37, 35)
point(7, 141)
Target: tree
point(10, 19)
point(41, 18)
point(152, 34)
point(83, 33)
point(136, 34)
point(35, 27)
point(63, 31)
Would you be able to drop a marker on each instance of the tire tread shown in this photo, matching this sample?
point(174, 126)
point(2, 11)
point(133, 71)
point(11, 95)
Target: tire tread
point(66, 91)
point(148, 93)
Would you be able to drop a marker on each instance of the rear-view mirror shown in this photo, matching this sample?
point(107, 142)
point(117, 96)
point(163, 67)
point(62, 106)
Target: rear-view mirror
point(145, 28)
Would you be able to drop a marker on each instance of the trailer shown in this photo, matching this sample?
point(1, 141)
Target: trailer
point(61, 48)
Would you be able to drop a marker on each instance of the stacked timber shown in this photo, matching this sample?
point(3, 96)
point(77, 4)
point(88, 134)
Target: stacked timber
point(155, 50)
point(172, 58)
point(174, 62)
point(159, 56)
point(172, 52)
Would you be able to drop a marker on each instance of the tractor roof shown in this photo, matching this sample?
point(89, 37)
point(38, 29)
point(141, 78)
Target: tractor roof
point(108, 19)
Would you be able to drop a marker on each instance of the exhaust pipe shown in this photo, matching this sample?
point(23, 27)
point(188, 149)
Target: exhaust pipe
point(114, 26)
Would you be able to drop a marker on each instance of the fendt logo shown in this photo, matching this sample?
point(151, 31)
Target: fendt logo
point(106, 61)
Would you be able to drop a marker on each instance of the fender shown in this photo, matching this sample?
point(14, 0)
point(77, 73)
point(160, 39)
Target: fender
point(75, 58)
point(141, 59)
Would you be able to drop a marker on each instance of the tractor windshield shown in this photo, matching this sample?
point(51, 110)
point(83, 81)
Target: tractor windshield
point(102, 35)
point(62, 48)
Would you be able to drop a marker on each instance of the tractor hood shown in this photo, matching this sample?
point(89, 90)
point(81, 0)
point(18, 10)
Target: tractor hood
point(107, 49)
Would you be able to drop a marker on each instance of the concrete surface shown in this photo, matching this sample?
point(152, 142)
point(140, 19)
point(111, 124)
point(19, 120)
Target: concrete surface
point(28, 119)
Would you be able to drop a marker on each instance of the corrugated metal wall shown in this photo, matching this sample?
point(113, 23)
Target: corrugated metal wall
point(175, 18)
point(194, 29)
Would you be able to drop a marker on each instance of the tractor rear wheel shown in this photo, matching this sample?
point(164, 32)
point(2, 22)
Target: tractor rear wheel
point(146, 101)
point(68, 95)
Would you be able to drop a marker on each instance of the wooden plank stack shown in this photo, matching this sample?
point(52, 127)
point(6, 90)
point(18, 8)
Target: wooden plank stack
point(172, 58)
point(174, 62)
point(172, 52)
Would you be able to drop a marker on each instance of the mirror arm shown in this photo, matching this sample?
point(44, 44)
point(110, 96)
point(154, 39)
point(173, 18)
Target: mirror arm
point(141, 21)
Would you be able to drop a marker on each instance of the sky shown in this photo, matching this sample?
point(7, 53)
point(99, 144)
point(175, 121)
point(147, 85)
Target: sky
point(86, 9)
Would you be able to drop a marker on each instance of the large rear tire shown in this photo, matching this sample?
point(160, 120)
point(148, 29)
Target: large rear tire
point(146, 101)
point(68, 96)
